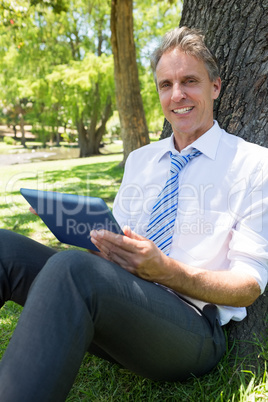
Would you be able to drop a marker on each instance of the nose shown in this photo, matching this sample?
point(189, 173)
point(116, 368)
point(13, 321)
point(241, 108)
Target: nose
point(177, 93)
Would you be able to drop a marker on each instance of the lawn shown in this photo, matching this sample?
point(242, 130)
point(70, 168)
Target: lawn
point(99, 380)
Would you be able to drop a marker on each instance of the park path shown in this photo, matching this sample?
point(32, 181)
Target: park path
point(26, 157)
point(22, 156)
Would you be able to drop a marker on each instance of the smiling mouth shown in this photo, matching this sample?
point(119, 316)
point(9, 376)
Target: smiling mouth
point(183, 110)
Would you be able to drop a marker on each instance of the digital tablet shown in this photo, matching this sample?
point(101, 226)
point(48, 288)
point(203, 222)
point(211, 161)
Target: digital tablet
point(71, 217)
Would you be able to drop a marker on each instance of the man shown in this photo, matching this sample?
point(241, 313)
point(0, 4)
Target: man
point(193, 256)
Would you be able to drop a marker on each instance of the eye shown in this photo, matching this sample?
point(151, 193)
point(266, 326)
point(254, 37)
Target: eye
point(190, 81)
point(165, 85)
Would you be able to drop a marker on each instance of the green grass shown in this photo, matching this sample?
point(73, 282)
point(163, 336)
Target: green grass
point(99, 380)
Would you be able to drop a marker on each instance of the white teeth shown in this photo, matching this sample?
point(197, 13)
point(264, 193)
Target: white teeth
point(182, 110)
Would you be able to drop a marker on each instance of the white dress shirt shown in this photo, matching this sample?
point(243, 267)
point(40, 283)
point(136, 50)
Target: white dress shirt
point(222, 217)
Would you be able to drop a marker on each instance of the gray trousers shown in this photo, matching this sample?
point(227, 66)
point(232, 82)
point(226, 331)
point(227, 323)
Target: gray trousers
point(76, 302)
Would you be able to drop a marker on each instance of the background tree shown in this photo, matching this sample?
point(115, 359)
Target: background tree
point(134, 129)
point(85, 91)
point(40, 44)
point(236, 31)
point(40, 40)
point(151, 19)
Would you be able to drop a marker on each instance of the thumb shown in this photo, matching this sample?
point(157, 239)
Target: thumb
point(132, 235)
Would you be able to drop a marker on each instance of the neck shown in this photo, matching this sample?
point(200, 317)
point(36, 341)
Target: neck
point(183, 139)
point(181, 142)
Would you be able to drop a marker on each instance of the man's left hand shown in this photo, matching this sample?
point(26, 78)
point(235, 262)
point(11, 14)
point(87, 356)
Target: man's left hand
point(132, 252)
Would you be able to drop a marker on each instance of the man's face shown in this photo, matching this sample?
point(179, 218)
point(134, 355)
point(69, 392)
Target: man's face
point(186, 95)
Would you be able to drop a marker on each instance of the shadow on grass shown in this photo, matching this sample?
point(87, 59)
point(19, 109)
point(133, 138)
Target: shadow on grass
point(101, 179)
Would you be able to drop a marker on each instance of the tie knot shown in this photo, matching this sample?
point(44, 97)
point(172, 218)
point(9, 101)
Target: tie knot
point(179, 161)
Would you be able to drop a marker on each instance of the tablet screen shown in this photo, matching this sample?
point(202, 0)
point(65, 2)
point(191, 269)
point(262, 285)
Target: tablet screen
point(71, 217)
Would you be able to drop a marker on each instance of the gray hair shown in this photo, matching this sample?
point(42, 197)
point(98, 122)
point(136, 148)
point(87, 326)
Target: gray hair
point(192, 42)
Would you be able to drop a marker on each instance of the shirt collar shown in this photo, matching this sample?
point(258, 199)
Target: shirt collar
point(207, 144)
point(167, 148)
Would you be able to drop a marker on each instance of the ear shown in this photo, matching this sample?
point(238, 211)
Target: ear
point(216, 88)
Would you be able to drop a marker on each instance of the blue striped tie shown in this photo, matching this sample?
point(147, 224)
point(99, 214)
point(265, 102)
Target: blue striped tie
point(162, 220)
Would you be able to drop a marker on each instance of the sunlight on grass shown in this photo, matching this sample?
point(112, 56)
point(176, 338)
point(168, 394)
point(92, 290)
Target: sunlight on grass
point(97, 176)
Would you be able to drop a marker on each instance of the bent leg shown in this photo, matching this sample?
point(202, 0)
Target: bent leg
point(78, 300)
point(21, 259)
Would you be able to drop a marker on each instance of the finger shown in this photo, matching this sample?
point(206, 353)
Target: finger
point(100, 246)
point(33, 211)
point(124, 263)
point(129, 233)
point(93, 251)
point(121, 242)
point(113, 252)
point(110, 252)
point(98, 254)
point(102, 234)
point(108, 239)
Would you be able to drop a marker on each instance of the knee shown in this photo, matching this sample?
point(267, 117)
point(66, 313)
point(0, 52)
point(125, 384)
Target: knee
point(79, 267)
point(66, 271)
point(8, 240)
point(5, 235)
point(69, 261)
point(72, 257)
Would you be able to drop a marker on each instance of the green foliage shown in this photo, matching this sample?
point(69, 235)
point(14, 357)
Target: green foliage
point(151, 21)
point(57, 5)
point(54, 53)
point(9, 141)
point(151, 102)
point(51, 69)
point(113, 126)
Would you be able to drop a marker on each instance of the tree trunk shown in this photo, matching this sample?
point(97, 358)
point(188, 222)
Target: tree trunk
point(236, 30)
point(102, 128)
point(82, 137)
point(90, 139)
point(252, 332)
point(23, 141)
point(58, 137)
point(91, 131)
point(129, 102)
point(15, 131)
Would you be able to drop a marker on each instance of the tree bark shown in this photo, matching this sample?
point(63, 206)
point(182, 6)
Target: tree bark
point(15, 130)
point(19, 111)
point(82, 137)
point(102, 128)
point(90, 139)
point(91, 130)
point(236, 31)
point(252, 332)
point(23, 140)
point(129, 102)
